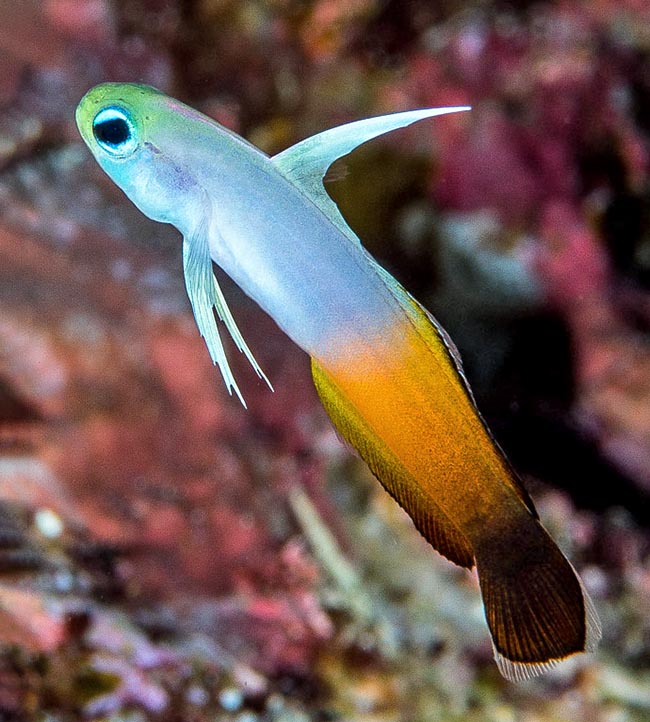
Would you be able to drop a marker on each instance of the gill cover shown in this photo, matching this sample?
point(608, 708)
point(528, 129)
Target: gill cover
point(121, 135)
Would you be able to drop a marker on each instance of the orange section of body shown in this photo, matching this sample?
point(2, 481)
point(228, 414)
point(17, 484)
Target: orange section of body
point(407, 389)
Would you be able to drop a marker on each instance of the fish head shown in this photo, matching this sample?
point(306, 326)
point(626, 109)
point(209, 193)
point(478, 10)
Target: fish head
point(128, 128)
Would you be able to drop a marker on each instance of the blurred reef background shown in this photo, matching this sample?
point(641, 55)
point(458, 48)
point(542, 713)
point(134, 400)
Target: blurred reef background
point(167, 555)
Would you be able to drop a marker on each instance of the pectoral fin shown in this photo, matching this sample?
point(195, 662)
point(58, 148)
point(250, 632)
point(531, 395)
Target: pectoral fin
point(205, 295)
point(306, 163)
point(430, 521)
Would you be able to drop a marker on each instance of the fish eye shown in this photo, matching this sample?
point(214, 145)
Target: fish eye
point(115, 131)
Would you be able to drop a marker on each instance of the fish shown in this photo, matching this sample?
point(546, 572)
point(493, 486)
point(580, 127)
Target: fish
point(387, 373)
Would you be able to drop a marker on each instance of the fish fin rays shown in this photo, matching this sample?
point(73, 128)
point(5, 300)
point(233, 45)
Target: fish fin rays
point(312, 186)
point(306, 163)
point(430, 521)
point(536, 607)
point(226, 317)
point(430, 330)
point(205, 296)
point(425, 322)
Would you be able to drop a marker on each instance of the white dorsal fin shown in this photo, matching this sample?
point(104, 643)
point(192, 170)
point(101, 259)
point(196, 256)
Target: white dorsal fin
point(205, 295)
point(306, 163)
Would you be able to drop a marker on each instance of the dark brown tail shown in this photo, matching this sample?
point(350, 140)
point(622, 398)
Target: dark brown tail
point(536, 607)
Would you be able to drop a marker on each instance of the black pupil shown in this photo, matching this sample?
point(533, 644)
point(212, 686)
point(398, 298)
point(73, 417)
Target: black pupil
point(112, 132)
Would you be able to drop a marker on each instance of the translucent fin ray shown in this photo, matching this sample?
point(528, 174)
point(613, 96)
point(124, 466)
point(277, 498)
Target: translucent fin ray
point(205, 295)
point(306, 163)
point(229, 322)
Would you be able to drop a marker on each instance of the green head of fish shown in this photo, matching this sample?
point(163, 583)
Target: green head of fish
point(113, 120)
point(128, 128)
point(153, 147)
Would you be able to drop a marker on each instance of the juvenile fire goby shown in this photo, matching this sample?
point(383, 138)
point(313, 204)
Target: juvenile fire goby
point(388, 375)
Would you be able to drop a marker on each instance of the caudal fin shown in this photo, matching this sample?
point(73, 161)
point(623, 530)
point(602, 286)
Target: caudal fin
point(536, 607)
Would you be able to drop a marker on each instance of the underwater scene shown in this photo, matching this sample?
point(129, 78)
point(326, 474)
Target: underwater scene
point(265, 264)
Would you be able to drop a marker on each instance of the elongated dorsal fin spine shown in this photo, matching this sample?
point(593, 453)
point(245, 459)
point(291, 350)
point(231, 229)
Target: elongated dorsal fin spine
point(306, 163)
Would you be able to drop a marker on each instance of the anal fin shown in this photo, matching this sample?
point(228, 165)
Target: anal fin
point(428, 518)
